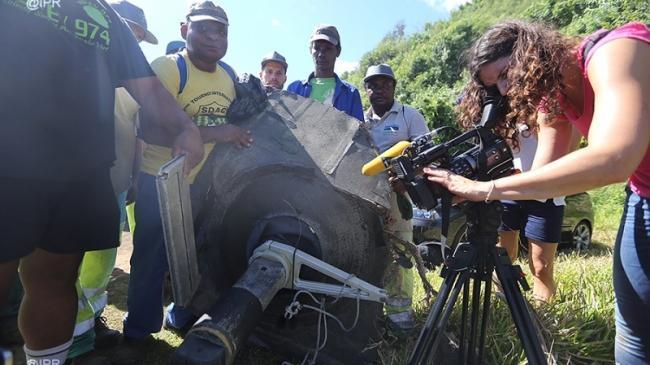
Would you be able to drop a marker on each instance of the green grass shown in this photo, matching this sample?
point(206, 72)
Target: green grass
point(608, 206)
point(579, 323)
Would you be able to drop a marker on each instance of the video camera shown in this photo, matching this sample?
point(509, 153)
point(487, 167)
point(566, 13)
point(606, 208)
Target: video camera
point(488, 158)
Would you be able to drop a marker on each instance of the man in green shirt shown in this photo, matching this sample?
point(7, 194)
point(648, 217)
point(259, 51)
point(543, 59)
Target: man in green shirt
point(323, 84)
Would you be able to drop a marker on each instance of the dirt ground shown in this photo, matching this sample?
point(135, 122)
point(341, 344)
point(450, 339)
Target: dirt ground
point(157, 350)
point(124, 253)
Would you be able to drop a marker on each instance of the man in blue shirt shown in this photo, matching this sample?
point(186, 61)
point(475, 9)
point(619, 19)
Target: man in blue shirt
point(323, 84)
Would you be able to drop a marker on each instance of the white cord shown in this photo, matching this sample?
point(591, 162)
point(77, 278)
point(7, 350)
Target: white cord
point(295, 306)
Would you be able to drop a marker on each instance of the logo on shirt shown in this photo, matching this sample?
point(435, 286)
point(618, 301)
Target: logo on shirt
point(96, 15)
point(209, 120)
point(213, 108)
point(90, 26)
point(37, 4)
point(391, 128)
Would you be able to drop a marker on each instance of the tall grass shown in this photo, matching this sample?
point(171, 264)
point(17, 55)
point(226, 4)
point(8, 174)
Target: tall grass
point(608, 206)
point(579, 323)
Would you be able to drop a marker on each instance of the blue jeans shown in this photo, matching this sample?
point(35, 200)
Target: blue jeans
point(632, 282)
point(148, 265)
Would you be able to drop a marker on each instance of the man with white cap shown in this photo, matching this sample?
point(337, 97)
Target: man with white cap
point(323, 84)
point(389, 122)
point(203, 86)
point(134, 17)
point(274, 71)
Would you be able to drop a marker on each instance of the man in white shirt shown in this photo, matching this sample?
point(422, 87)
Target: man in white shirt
point(389, 122)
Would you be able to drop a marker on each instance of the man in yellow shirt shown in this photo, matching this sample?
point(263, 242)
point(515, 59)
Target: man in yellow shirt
point(204, 88)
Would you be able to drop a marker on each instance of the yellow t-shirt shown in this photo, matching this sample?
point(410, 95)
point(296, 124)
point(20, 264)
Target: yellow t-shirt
point(205, 98)
point(126, 120)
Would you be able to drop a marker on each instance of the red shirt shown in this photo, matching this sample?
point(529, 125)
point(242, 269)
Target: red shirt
point(640, 180)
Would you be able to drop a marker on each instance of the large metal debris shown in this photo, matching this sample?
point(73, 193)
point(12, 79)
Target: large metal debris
point(299, 184)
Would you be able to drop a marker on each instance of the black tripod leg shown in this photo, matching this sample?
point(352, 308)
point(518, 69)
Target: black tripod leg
point(462, 350)
point(518, 310)
point(484, 318)
point(476, 300)
point(437, 319)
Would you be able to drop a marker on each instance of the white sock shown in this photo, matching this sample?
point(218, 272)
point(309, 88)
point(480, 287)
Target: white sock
point(52, 356)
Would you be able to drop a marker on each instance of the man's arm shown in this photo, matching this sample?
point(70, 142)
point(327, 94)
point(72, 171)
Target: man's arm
point(417, 124)
point(227, 133)
point(162, 120)
point(356, 108)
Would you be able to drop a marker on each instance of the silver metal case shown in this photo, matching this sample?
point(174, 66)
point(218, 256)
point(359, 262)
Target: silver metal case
point(178, 228)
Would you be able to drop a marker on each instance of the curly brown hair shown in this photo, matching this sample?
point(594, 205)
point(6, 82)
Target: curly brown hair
point(537, 54)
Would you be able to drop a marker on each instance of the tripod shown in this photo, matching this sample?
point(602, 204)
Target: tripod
point(471, 266)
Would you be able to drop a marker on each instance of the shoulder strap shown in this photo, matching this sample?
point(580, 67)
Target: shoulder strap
point(590, 45)
point(182, 71)
point(229, 70)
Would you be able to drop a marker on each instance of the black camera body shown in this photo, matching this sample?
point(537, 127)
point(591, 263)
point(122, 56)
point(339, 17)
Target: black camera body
point(489, 157)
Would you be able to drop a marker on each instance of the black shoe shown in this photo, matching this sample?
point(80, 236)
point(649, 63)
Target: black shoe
point(182, 331)
point(401, 325)
point(89, 358)
point(131, 351)
point(105, 337)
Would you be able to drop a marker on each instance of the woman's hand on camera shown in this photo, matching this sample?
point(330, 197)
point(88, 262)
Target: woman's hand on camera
point(459, 185)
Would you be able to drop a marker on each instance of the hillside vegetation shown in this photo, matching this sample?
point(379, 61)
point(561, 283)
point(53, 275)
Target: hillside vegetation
point(429, 64)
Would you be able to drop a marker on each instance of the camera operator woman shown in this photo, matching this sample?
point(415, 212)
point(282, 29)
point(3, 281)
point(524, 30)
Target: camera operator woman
point(601, 86)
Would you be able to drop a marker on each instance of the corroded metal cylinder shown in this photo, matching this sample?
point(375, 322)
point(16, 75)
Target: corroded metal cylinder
point(299, 184)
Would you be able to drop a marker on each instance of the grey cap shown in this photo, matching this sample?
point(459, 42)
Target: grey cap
point(379, 70)
point(275, 57)
point(133, 15)
point(326, 32)
point(206, 10)
point(174, 46)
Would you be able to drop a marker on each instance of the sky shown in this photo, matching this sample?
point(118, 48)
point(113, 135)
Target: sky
point(259, 27)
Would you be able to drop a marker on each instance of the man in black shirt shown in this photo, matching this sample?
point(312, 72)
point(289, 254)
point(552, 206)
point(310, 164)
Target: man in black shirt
point(62, 62)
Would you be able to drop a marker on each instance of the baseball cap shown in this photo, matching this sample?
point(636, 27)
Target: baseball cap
point(133, 15)
point(326, 32)
point(379, 70)
point(206, 10)
point(275, 57)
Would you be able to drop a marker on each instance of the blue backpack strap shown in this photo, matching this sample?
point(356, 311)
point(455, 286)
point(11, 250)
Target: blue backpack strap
point(229, 70)
point(182, 71)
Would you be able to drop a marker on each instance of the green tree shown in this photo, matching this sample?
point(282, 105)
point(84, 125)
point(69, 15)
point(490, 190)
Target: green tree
point(429, 64)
